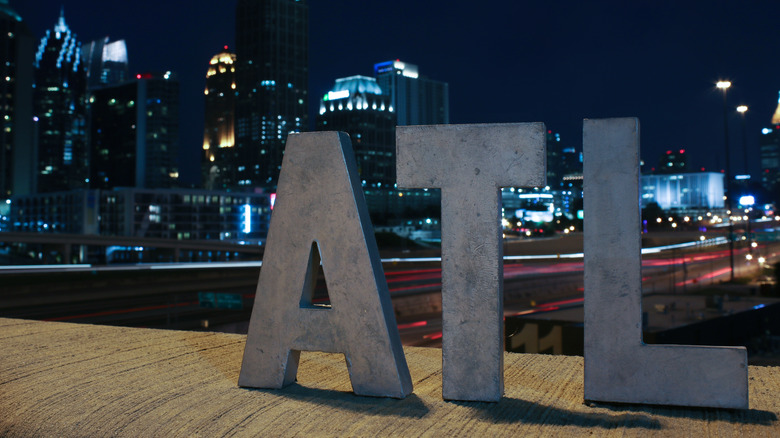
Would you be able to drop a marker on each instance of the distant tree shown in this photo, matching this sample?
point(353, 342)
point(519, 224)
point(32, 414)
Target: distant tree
point(651, 213)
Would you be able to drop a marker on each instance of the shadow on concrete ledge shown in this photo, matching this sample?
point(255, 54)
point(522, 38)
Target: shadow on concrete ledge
point(732, 416)
point(61, 379)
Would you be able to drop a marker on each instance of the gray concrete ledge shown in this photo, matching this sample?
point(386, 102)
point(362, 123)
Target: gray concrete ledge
point(74, 380)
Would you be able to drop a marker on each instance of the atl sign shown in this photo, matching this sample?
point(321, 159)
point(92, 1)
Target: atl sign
point(321, 218)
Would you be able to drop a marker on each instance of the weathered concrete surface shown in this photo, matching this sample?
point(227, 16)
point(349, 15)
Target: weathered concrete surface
point(470, 164)
point(73, 380)
point(321, 216)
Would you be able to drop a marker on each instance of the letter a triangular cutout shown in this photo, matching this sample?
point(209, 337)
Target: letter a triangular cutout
point(315, 289)
point(320, 211)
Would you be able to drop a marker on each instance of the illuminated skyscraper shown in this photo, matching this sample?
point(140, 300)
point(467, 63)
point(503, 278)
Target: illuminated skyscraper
point(134, 134)
point(60, 106)
point(562, 161)
point(417, 100)
point(219, 162)
point(770, 156)
point(17, 49)
point(272, 74)
point(105, 62)
point(356, 105)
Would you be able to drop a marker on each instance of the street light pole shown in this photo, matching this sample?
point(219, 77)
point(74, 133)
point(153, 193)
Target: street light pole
point(742, 109)
point(724, 85)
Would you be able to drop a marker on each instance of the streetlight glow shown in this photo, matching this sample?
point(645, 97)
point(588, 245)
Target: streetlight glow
point(727, 195)
point(742, 109)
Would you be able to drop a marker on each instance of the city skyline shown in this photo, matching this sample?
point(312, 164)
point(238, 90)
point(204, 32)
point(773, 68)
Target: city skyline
point(656, 61)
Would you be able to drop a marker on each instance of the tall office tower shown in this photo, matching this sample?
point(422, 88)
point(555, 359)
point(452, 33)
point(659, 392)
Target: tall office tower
point(218, 137)
point(17, 154)
point(105, 62)
point(562, 160)
point(134, 134)
point(571, 162)
point(554, 164)
point(673, 162)
point(272, 75)
point(357, 106)
point(417, 100)
point(60, 106)
point(770, 156)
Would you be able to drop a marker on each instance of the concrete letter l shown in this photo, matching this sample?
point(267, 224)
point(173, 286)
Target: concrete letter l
point(619, 367)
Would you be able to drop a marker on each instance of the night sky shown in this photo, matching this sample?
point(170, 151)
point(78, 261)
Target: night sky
point(505, 61)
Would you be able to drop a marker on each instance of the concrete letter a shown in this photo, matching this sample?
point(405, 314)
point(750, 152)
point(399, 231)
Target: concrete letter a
point(320, 200)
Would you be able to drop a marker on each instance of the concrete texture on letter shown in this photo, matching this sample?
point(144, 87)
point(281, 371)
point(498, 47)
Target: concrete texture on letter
point(469, 163)
point(619, 367)
point(321, 214)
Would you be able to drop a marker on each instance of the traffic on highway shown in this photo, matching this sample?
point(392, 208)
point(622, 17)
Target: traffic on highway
point(219, 295)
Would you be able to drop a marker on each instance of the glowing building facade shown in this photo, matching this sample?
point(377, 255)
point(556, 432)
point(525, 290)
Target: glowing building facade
point(272, 75)
point(17, 49)
point(185, 214)
point(683, 191)
point(182, 214)
point(356, 105)
point(105, 62)
point(770, 156)
point(60, 109)
point(417, 100)
point(134, 133)
point(219, 150)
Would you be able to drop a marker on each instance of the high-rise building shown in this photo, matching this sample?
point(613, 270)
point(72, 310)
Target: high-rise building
point(181, 214)
point(416, 99)
point(673, 162)
point(219, 136)
point(770, 156)
point(105, 62)
point(17, 154)
point(272, 74)
point(356, 105)
point(562, 160)
point(60, 106)
point(134, 133)
point(571, 162)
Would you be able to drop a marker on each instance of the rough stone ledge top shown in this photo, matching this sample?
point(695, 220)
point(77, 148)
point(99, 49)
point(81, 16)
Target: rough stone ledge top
point(61, 379)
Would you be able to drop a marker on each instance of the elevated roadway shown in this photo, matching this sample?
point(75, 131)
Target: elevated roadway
point(67, 244)
point(167, 295)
